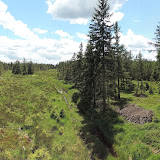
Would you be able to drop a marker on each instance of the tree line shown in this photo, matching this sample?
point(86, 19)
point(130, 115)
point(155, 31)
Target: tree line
point(24, 67)
point(106, 68)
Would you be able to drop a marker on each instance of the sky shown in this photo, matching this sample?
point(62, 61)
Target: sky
point(50, 31)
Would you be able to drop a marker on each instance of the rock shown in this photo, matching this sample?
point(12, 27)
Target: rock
point(135, 114)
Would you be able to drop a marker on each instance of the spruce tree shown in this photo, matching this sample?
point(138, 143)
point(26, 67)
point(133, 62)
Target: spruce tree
point(156, 44)
point(24, 67)
point(1, 68)
point(79, 67)
point(73, 61)
point(100, 39)
point(17, 68)
point(140, 64)
point(118, 50)
point(88, 87)
point(30, 68)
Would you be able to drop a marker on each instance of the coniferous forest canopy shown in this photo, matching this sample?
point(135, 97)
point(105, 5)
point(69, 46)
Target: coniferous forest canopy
point(103, 104)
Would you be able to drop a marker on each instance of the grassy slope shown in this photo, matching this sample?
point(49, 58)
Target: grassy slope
point(140, 141)
point(130, 141)
point(34, 115)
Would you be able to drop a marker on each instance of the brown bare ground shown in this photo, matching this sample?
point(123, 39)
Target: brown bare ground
point(135, 114)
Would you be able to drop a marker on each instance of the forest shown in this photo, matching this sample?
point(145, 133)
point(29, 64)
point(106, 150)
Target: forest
point(103, 104)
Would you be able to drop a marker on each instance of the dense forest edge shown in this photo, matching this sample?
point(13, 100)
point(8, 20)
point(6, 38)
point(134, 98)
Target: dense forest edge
point(71, 110)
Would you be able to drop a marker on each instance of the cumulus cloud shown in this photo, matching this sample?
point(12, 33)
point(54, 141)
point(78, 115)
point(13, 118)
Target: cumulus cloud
point(52, 51)
point(138, 43)
point(40, 31)
point(115, 5)
point(31, 46)
point(63, 34)
point(117, 16)
point(79, 21)
point(40, 51)
point(78, 11)
point(82, 36)
point(16, 26)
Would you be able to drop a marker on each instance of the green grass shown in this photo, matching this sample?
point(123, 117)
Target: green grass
point(36, 123)
point(140, 142)
point(34, 116)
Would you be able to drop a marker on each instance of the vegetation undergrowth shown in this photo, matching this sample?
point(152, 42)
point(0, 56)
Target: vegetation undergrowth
point(36, 122)
point(140, 142)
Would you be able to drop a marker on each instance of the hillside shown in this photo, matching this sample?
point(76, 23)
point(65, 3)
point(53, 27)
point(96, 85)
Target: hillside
point(38, 120)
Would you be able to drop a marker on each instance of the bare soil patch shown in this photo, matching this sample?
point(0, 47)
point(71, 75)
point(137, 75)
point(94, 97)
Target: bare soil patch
point(135, 114)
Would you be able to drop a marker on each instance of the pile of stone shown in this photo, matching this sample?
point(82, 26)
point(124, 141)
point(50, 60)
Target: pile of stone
point(135, 114)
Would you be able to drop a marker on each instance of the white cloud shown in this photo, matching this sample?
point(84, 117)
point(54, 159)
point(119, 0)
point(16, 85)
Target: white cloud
point(70, 9)
point(115, 5)
point(40, 31)
point(18, 27)
point(79, 21)
point(63, 34)
point(117, 16)
point(52, 51)
point(82, 36)
point(78, 11)
point(137, 43)
point(40, 51)
point(31, 46)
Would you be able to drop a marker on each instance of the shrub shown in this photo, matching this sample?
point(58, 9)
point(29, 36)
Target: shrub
point(151, 90)
point(142, 88)
point(130, 87)
point(40, 154)
point(136, 93)
point(154, 157)
point(159, 91)
point(140, 152)
point(75, 97)
point(147, 86)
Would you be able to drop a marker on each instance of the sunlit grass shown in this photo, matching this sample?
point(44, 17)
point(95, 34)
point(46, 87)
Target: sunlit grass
point(140, 141)
point(31, 106)
point(36, 121)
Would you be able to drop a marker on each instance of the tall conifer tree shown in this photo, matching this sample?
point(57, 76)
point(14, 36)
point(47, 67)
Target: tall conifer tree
point(100, 39)
point(118, 50)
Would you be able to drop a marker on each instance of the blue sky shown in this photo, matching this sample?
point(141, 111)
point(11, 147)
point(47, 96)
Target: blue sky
point(49, 31)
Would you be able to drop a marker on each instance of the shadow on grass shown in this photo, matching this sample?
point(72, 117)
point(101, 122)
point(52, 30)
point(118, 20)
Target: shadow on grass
point(122, 102)
point(98, 131)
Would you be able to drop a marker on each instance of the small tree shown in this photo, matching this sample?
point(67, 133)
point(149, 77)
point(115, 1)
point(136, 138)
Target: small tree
point(151, 91)
point(24, 67)
point(78, 67)
point(17, 68)
point(156, 44)
point(142, 88)
point(1, 68)
point(30, 68)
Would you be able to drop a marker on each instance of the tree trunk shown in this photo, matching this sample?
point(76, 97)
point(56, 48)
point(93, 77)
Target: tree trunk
point(118, 81)
point(104, 85)
point(118, 87)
